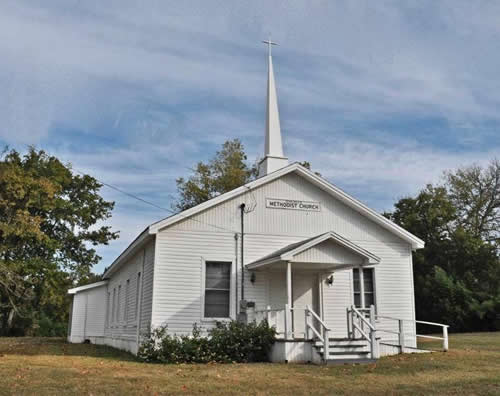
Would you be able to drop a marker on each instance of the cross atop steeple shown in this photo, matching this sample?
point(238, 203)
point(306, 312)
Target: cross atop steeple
point(269, 45)
point(274, 158)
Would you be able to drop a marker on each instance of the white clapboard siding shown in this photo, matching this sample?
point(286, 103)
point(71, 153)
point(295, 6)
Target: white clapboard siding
point(328, 252)
point(334, 215)
point(123, 325)
point(393, 291)
point(78, 316)
point(183, 247)
point(147, 291)
point(88, 314)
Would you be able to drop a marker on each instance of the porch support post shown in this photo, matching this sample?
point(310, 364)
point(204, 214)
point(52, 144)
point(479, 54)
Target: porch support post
point(401, 335)
point(288, 312)
point(445, 338)
point(373, 335)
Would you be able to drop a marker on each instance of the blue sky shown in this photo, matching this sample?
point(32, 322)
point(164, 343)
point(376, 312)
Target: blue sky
point(381, 97)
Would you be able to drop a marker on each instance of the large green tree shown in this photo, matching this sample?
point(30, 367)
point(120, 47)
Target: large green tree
point(457, 274)
point(225, 172)
point(49, 228)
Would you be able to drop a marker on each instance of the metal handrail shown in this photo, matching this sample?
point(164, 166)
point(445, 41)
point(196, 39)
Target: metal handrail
point(325, 338)
point(401, 333)
point(353, 324)
point(315, 332)
point(360, 315)
point(388, 331)
point(318, 318)
point(269, 310)
point(362, 332)
point(431, 323)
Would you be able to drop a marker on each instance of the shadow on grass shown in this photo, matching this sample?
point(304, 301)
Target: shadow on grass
point(53, 346)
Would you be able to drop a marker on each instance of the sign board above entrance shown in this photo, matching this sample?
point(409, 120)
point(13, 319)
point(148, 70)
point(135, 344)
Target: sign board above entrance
point(293, 205)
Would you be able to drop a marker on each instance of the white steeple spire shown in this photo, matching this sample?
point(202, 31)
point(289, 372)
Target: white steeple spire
point(274, 158)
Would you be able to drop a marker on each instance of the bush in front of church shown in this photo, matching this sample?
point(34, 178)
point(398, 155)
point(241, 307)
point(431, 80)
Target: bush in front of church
point(227, 342)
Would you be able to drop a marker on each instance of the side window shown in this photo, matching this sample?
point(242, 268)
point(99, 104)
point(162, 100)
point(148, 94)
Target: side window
point(367, 289)
point(137, 291)
point(108, 315)
point(113, 310)
point(127, 291)
point(217, 289)
point(118, 303)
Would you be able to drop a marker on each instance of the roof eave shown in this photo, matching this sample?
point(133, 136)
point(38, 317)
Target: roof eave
point(87, 287)
point(131, 249)
point(360, 207)
point(155, 227)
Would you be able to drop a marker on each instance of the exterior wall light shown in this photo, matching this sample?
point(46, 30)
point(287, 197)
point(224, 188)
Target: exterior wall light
point(252, 277)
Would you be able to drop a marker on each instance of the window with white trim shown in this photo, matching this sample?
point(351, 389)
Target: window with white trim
point(118, 304)
point(217, 289)
point(127, 291)
point(137, 291)
point(113, 310)
point(108, 314)
point(366, 290)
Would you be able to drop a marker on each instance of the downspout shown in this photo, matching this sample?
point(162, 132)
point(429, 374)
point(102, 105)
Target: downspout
point(242, 210)
point(236, 305)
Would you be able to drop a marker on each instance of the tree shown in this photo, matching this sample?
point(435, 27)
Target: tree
point(48, 228)
point(307, 165)
point(225, 172)
point(475, 192)
point(457, 274)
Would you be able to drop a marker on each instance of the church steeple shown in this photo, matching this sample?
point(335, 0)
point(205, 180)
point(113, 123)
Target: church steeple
point(274, 158)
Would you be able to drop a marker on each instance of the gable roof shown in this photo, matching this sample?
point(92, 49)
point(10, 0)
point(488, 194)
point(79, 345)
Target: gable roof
point(138, 242)
point(288, 252)
point(323, 184)
point(414, 241)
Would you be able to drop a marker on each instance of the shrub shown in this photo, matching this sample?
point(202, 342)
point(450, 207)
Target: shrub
point(45, 326)
point(226, 342)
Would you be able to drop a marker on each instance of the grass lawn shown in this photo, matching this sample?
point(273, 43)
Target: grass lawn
point(43, 366)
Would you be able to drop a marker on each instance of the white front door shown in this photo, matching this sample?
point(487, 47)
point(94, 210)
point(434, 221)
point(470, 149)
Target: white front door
point(304, 292)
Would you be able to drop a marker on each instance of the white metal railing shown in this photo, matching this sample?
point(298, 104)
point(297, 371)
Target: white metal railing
point(357, 321)
point(323, 335)
point(275, 318)
point(401, 332)
point(281, 320)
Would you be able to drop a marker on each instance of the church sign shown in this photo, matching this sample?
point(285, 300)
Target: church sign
point(308, 206)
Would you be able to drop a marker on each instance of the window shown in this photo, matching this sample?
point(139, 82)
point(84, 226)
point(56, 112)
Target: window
point(118, 303)
point(366, 289)
point(217, 289)
point(127, 289)
point(113, 307)
point(137, 291)
point(108, 315)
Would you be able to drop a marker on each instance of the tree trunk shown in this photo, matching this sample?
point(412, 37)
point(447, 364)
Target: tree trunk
point(10, 319)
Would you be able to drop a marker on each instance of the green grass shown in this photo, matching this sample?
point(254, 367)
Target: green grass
point(45, 366)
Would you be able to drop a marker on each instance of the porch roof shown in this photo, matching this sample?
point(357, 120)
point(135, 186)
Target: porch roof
point(325, 251)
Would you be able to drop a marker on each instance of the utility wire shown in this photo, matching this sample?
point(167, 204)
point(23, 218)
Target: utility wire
point(151, 203)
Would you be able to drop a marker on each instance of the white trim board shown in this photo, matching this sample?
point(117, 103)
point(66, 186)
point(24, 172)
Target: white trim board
point(333, 190)
point(153, 229)
point(86, 287)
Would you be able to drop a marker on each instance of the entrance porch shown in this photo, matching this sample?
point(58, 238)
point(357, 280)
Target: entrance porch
point(297, 275)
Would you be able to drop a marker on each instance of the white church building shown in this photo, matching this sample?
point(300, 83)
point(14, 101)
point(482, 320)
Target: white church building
point(333, 276)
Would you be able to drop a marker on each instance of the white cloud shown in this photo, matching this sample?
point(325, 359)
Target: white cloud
point(136, 92)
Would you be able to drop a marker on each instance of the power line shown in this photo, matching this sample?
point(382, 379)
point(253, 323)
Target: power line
point(151, 203)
